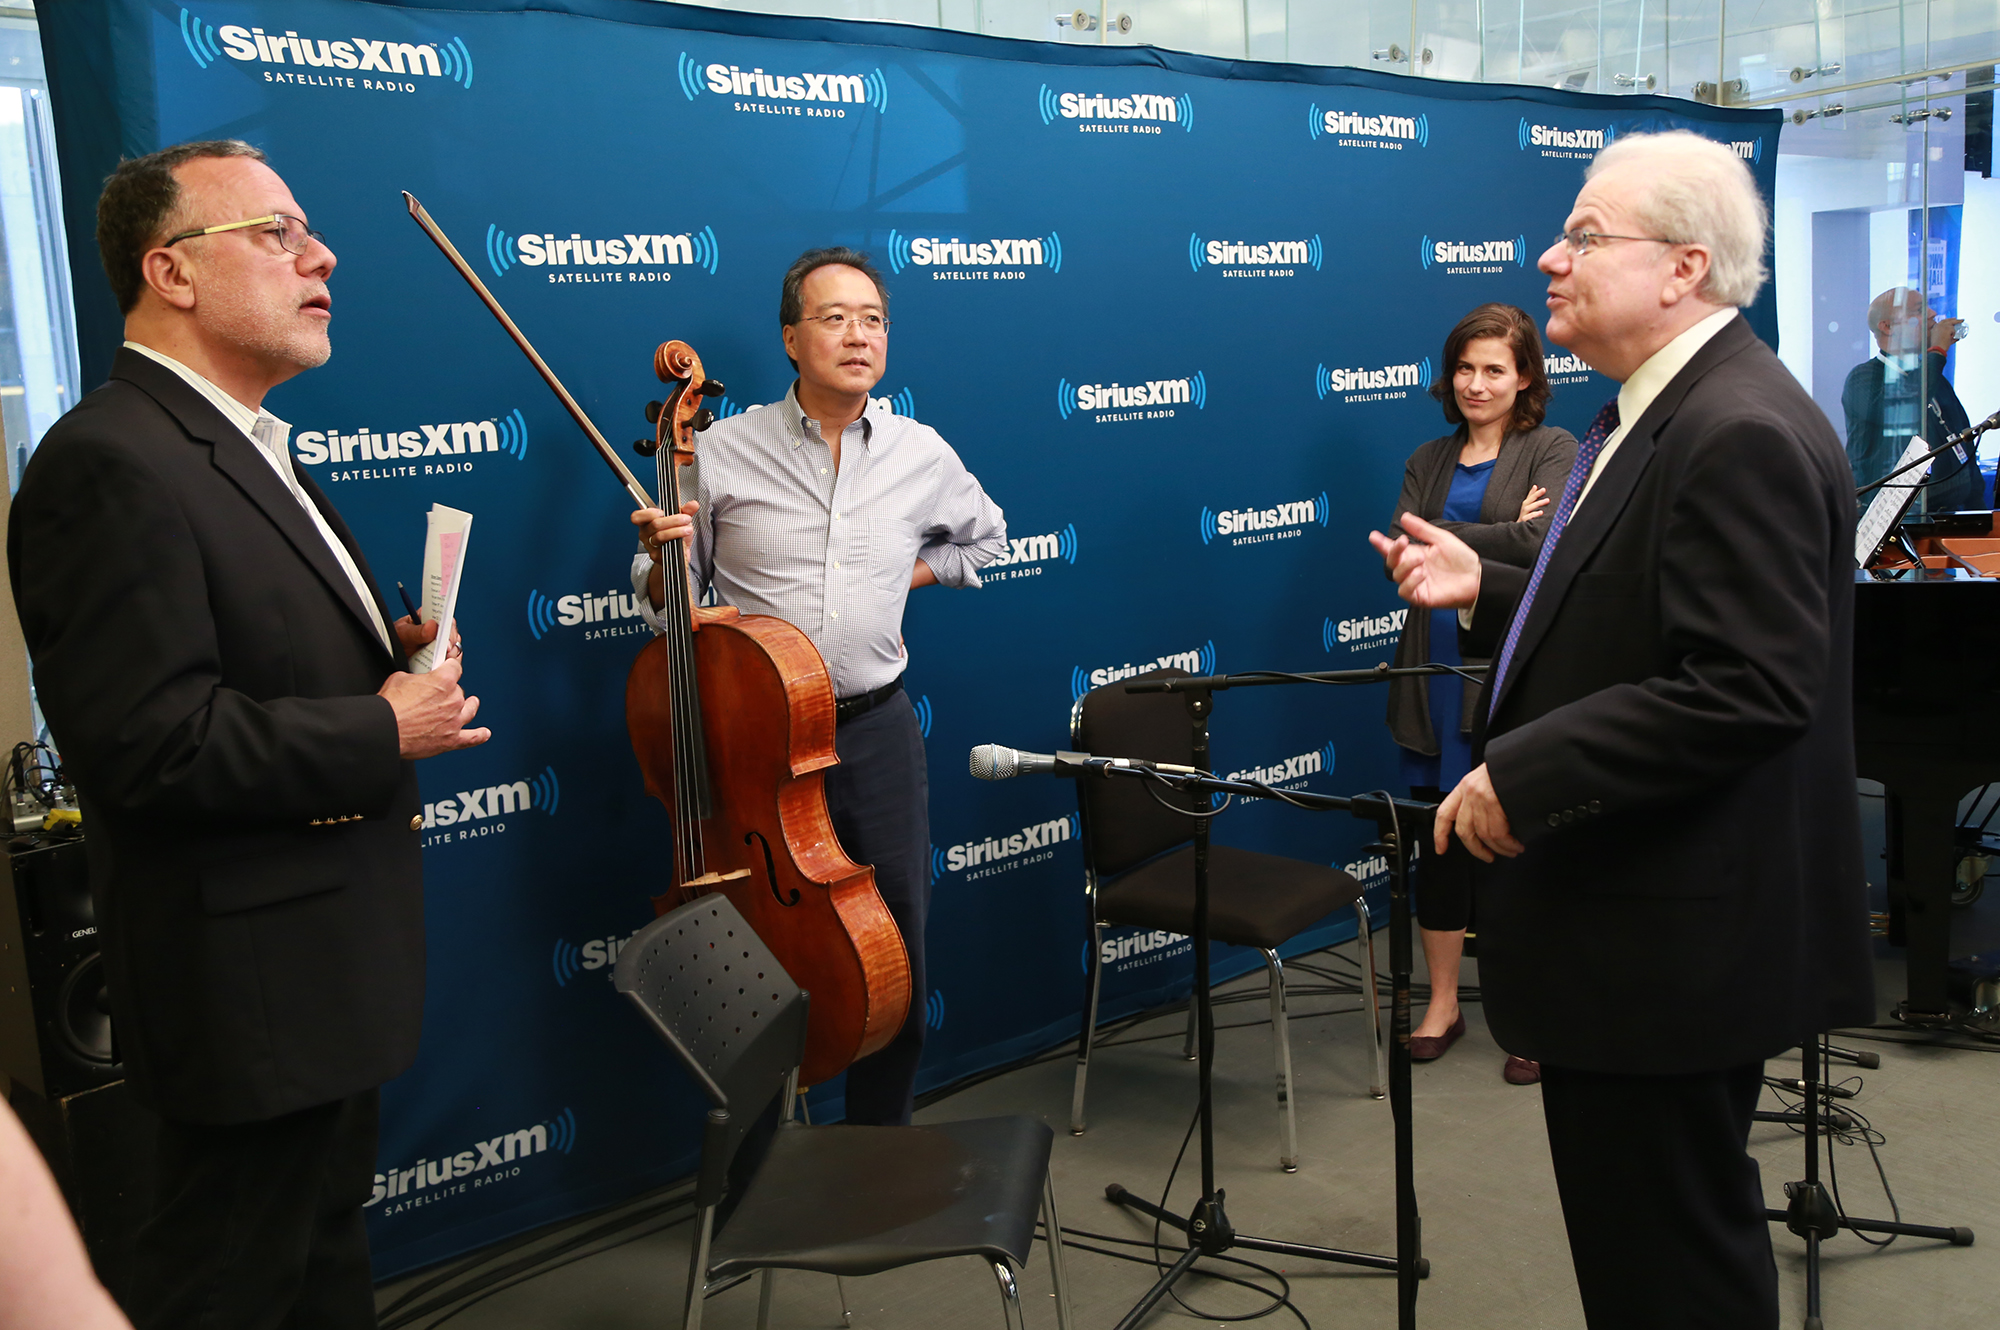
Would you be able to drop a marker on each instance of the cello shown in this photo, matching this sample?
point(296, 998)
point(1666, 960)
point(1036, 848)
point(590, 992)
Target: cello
point(731, 718)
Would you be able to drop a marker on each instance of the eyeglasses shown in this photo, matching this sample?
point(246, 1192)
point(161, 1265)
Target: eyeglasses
point(1581, 242)
point(872, 324)
point(292, 232)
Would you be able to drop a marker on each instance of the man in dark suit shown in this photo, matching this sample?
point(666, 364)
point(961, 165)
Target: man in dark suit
point(1665, 778)
point(221, 677)
point(1885, 393)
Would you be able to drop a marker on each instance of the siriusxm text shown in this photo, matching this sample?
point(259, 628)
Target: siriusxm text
point(502, 1149)
point(992, 849)
point(786, 87)
point(475, 805)
point(1114, 949)
point(1291, 768)
point(1364, 380)
point(1106, 397)
point(1231, 521)
point(359, 53)
point(1030, 549)
point(1355, 630)
point(1096, 106)
point(931, 252)
point(1370, 126)
point(468, 436)
point(1181, 660)
point(1276, 251)
point(1548, 136)
point(1485, 251)
point(628, 251)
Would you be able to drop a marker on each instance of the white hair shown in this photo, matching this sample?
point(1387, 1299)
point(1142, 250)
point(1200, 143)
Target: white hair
point(1698, 192)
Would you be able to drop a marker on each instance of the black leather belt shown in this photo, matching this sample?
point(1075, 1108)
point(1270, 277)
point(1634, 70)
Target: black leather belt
point(847, 708)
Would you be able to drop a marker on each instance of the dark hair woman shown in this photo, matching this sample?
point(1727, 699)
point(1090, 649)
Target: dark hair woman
point(1488, 482)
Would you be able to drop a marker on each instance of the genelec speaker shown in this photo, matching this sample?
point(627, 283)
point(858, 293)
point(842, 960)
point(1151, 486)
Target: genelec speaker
point(55, 1028)
point(100, 1146)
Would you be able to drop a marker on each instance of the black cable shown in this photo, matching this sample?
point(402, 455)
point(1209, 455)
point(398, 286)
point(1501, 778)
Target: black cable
point(1069, 1234)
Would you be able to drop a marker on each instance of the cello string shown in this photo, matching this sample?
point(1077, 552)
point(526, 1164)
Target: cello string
point(675, 617)
point(686, 698)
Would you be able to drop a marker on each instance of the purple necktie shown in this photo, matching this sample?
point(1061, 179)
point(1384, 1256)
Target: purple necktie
point(1586, 457)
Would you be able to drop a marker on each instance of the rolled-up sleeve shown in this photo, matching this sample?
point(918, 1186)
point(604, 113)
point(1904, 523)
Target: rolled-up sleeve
point(967, 531)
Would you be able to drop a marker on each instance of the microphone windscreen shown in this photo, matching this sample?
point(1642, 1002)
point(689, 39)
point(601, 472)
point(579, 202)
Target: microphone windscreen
point(993, 762)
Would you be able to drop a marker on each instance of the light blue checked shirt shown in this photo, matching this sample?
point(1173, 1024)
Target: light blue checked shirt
point(780, 532)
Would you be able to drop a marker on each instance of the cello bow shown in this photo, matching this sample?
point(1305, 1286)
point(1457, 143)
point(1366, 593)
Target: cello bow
point(486, 297)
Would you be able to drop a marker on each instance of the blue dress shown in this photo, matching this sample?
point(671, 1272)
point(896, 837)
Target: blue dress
point(1446, 691)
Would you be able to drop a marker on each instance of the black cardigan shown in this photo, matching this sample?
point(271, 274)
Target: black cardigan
point(1540, 456)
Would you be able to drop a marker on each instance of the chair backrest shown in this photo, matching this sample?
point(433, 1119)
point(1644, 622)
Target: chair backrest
point(722, 1002)
point(1123, 824)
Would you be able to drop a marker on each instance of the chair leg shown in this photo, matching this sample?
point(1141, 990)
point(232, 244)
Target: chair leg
point(1091, 983)
point(1058, 1270)
point(764, 1301)
point(840, 1291)
point(1281, 1043)
point(1010, 1296)
point(698, 1270)
point(1188, 1049)
point(1380, 1087)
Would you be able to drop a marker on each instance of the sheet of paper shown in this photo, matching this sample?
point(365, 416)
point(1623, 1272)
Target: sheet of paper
point(446, 532)
point(1886, 509)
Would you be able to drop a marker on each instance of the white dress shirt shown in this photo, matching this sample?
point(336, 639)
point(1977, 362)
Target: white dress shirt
point(1647, 382)
point(784, 532)
point(272, 437)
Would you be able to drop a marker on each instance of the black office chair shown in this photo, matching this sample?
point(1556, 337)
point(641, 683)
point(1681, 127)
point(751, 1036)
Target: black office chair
point(838, 1200)
point(1138, 866)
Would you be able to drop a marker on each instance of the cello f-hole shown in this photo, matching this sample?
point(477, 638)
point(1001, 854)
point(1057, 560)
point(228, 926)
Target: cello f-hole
point(771, 869)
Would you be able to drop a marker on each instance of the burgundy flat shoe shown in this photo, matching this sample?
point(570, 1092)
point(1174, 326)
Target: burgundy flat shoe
point(1521, 1071)
point(1429, 1048)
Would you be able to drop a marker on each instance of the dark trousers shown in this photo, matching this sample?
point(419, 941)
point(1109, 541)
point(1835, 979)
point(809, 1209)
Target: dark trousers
point(879, 796)
point(1444, 881)
point(257, 1226)
point(1664, 1207)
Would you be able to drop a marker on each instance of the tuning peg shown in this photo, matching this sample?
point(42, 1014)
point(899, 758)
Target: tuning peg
point(645, 447)
point(653, 410)
point(711, 388)
point(703, 419)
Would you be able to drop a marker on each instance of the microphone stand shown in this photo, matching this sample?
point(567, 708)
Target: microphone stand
point(1397, 820)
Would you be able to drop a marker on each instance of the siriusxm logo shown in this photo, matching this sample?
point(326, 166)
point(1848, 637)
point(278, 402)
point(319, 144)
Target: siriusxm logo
point(934, 1010)
point(811, 94)
point(541, 792)
point(569, 611)
point(599, 953)
point(1354, 130)
point(1554, 141)
point(1750, 150)
point(1135, 949)
point(508, 434)
point(1461, 255)
point(1372, 871)
point(1200, 661)
point(1253, 525)
point(992, 855)
point(1293, 254)
point(922, 706)
point(688, 249)
point(1039, 549)
point(1554, 365)
point(1150, 111)
point(450, 60)
point(1371, 385)
point(1364, 633)
point(1139, 401)
point(1297, 768)
point(953, 256)
point(508, 1148)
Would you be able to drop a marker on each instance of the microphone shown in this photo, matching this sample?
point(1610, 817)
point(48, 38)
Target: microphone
point(998, 762)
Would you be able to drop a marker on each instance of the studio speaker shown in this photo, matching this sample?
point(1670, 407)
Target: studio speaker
point(55, 1026)
point(100, 1146)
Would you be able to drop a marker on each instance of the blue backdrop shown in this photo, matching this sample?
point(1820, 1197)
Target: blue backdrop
point(1178, 314)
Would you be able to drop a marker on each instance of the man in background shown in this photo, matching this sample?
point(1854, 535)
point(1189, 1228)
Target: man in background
point(827, 509)
point(230, 698)
point(1886, 393)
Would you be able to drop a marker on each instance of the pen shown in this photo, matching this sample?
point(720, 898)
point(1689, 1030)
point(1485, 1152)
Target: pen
point(416, 615)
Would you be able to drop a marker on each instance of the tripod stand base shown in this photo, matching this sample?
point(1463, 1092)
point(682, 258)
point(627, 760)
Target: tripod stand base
point(1219, 1237)
point(1957, 1237)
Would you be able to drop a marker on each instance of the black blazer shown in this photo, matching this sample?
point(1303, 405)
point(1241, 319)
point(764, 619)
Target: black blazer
point(1674, 744)
point(209, 677)
point(1540, 456)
